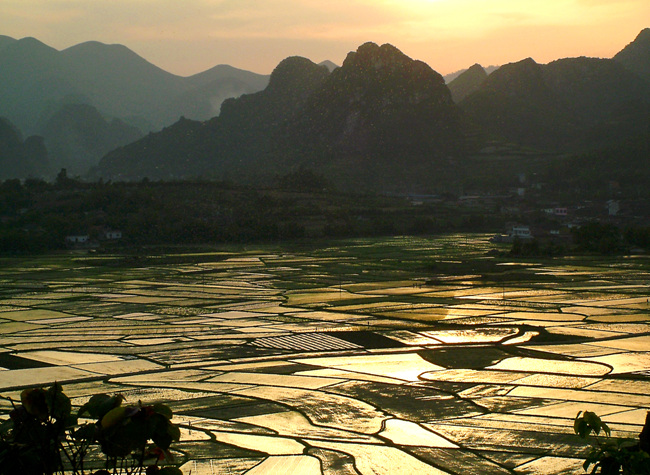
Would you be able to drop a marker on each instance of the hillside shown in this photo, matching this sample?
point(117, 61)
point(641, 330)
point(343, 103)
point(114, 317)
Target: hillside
point(77, 136)
point(636, 55)
point(36, 79)
point(238, 141)
point(468, 82)
point(385, 121)
point(378, 106)
point(555, 107)
point(21, 158)
point(380, 121)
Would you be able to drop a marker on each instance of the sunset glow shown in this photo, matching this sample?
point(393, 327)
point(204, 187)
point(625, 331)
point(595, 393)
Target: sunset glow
point(188, 37)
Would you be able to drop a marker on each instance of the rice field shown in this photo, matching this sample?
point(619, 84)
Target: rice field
point(377, 356)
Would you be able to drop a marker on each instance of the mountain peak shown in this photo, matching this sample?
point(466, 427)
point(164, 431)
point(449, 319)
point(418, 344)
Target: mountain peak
point(381, 102)
point(93, 50)
point(467, 82)
point(636, 55)
point(294, 72)
point(522, 75)
point(29, 46)
point(6, 40)
point(329, 65)
point(372, 56)
point(386, 67)
point(644, 35)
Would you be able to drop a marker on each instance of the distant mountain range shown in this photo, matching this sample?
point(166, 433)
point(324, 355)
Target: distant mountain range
point(35, 79)
point(379, 121)
point(635, 56)
point(386, 121)
point(376, 115)
point(19, 157)
point(451, 76)
point(39, 85)
point(552, 107)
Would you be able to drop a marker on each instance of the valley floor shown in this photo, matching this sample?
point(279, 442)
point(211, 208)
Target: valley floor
point(377, 356)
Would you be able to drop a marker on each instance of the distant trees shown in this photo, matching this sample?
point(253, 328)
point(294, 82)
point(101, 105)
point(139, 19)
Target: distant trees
point(303, 179)
point(600, 238)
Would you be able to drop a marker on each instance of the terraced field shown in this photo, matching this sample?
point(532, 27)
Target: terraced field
point(363, 357)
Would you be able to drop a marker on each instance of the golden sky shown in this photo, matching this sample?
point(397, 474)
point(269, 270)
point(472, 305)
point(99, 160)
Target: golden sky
point(188, 36)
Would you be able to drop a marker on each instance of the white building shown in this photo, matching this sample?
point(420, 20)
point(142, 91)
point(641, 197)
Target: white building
point(77, 239)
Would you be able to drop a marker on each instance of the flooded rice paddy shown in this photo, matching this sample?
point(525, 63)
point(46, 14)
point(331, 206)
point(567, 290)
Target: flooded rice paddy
point(362, 357)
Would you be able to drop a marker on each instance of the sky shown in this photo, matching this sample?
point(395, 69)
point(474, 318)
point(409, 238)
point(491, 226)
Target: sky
point(186, 37)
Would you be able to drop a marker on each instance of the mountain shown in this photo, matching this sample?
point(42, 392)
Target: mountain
point(379, 110)
point(514, 103)
point(118, 82)
point(467, 82)
point(38, 83)
point(385, 121)
point(5, 40)
point(77, 136)
point(21, 158)
point(381, 103)
point(210, 88)
point(27, 81)
point(237, 141)
point(379, 121)
point(636, 55)
point(554, 107)
point(329, 65)
point(451, 76)
point(36, 79)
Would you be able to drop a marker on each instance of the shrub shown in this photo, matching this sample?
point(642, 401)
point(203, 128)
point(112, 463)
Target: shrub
point(42, 436)
point(610, 455)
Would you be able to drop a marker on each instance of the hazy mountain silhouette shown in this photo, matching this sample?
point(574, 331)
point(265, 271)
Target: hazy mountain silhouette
point(77, 136)
point(451, 76)
point(210, 88)
point(384, 118)
point(329, 65)
point(636, 55)
point(379, 120)
point(554, 106)
point(467, 82)
point(5, 40)
point(21, 158)
point(239, 140)
point(35, 79)
point(379, 105)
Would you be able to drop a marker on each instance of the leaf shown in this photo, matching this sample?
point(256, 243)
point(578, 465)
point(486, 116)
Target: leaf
point(594, 422)
point(576, 422)
point(174, 432)
point(100, 404)
point(58, 403)
point(33, 400)
point(163, 410)
point(162, 440)
point(71, 421)
point(112, 417)
point(85, 433)
point(606, 429)
point(581, 428)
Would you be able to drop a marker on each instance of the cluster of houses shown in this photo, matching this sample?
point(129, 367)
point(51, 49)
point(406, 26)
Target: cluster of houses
point(94, 239)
